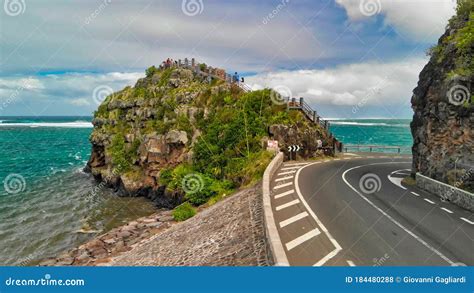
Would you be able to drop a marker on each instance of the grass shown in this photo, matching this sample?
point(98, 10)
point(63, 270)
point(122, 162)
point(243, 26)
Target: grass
point(183, 212)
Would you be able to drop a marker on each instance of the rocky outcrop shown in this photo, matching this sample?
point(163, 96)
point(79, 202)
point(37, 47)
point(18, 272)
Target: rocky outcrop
point(443, 120)
point(142, 133)
point(308, 138)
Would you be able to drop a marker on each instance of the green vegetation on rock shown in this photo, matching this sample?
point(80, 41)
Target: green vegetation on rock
point(183, 212)
point(175, 129)
point(459, 44)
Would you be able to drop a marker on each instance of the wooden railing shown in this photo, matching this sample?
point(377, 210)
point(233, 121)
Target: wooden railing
point(308, 111)
point(372, 148)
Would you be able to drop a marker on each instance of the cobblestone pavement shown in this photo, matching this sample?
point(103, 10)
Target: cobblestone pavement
point(229, 233)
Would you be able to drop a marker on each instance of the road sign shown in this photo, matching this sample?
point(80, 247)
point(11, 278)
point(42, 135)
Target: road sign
point(294, 148)
point(272, 145)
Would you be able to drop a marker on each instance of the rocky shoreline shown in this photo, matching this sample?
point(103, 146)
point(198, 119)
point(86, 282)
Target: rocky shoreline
point(116, 241)
point(228, 233)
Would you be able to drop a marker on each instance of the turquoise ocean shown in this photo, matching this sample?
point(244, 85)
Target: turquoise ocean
point(49, 205)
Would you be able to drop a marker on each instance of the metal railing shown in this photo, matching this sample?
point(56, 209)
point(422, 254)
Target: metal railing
point(372, 148)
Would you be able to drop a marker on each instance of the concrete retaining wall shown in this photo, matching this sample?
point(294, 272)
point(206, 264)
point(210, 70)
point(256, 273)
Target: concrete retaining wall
point(453, 194)
point(271, 231)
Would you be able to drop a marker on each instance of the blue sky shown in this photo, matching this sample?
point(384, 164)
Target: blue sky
point(348, 58)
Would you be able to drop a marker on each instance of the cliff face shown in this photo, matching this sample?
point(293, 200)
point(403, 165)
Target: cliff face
point(177, 136)
point(443, 121)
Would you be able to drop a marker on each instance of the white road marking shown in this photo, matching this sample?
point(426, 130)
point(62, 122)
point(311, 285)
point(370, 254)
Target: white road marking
point(430, 201)
point(295, 164)
point(320, 224)
point(370, 157)
point(286, 173)
point(282, 185)
point(283, 178)
point(466, 220)
point(303, 238)
point(351, 263)
point(350, 154)
point(326, 161)
point(280, 195)
point(293, 219)
point(327, 257)
point(414, 193)
point(290, 168)
point(382, 157)
point(388, 216)
point(336, 159)
point(288, 204)
point(397, 181)
point(446, 210)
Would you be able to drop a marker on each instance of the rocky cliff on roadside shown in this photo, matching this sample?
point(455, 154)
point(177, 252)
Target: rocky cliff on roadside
point(178, 135)
point(443, 121)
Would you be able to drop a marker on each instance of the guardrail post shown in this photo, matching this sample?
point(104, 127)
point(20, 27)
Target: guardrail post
point(179, 63)
point(301, 102)
point(398, 149)
point(186, 62)
point(314, 116)
point(193, 62)
point(370, 149)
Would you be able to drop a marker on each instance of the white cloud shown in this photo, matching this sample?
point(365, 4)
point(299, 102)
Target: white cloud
point(370, 84)
point(37, 95)
point(416, 19)
point(80, 102)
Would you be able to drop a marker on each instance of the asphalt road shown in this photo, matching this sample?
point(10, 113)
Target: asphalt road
point(355, 211)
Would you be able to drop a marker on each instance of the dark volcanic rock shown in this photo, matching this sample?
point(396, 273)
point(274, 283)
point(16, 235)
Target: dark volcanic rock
point(442, 127)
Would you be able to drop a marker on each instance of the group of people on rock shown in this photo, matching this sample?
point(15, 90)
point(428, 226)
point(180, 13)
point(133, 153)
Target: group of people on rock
point(169, 62)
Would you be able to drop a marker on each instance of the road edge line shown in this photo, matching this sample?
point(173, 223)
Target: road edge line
point(272, 235)
point(320, 224)
point(419, 239)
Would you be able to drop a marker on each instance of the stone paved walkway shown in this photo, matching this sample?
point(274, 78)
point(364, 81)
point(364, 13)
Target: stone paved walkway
point(229, 233)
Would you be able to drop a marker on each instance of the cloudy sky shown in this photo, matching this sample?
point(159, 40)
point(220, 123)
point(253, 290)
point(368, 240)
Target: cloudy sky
point(348, 58)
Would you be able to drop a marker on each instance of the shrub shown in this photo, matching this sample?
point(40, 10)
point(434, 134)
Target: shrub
point(183, 212)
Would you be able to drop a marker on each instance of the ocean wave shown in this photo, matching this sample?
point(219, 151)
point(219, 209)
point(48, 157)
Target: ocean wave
point(76, 124)
point(368, 124)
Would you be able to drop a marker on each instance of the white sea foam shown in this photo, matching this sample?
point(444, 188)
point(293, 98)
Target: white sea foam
point(76, 124)
point(367, 124)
